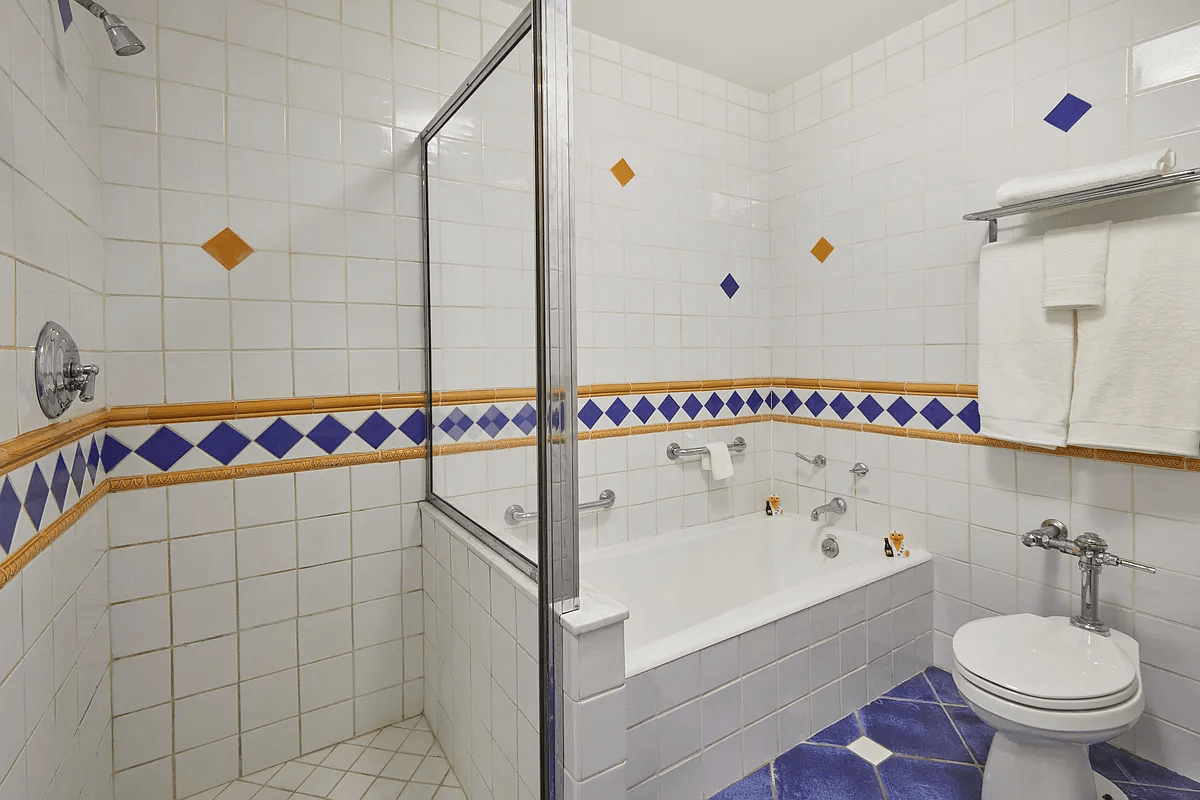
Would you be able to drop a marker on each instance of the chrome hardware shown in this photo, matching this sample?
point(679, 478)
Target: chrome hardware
point(835, 506)
point(860, 469)
point(674, 451)
point(1093, 555)
point(58, 373)
point(817, 461)
point(829, 546)
point(516, 513)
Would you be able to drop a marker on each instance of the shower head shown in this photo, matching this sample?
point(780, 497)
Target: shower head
point(123, 40)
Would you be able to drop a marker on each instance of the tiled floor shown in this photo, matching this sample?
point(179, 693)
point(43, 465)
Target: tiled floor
point(920, 741)
point(401, 761)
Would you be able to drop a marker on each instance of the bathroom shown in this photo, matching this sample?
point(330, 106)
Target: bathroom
point(342, 266)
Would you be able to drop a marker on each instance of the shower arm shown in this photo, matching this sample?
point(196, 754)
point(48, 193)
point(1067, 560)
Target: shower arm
point(98, 11)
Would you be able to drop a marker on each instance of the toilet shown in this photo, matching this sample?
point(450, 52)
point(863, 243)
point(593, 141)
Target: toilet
point(1050, 690)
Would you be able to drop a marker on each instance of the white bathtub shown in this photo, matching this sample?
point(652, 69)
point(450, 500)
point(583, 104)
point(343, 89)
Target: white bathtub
point(694, 588)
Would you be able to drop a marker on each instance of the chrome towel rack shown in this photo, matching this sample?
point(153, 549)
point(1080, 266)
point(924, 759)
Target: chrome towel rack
point(1096, 195)
point(516, 513)
point(674, 451)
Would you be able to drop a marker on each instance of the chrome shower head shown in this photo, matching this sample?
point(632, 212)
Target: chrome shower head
point(123, 40)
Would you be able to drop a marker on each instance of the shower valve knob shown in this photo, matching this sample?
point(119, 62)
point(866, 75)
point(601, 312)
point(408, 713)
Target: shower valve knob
point(59, 374)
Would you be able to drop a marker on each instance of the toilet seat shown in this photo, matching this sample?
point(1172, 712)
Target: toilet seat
point(1046, 663)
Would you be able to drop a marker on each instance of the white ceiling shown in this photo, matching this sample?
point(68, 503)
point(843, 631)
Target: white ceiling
point(760, 44)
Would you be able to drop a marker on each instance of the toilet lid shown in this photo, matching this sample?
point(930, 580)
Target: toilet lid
point(1044, 658)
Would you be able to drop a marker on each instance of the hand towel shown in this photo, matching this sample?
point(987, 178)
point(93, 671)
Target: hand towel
point(1076, 261)
point(1137, 375)
point(1025, 351)
point(716, 458)
point(1021, 190)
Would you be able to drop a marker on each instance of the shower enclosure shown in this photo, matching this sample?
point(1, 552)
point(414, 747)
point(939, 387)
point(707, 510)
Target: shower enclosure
point(499, 278)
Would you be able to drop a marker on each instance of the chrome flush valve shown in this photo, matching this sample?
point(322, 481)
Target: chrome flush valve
point(58, 373)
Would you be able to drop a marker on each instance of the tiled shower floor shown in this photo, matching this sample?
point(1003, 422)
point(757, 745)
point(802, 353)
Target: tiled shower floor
point(920, 741)
point(400, 761)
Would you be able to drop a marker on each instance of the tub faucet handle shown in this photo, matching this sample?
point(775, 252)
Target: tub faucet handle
point(860, 469)
point(817, 461)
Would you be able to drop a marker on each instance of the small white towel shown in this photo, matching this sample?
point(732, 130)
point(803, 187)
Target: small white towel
point(1025, 351)
point(1020, 190)
point(716, 458)
point(1137, 377)
point(1076, 262)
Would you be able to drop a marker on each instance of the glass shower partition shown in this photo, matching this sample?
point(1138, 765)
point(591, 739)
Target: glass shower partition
point(500, 310)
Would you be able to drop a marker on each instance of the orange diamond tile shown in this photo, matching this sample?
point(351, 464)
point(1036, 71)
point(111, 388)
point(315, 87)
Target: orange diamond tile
point(623, 172)
point(822, 250)
point(228, 249)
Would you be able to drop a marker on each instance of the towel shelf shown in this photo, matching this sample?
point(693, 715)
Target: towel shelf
point(1096, 195)
point(674, 451)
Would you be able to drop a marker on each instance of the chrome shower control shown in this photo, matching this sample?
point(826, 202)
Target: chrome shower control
point(58, 373)
point(860, 469)
point(817, 461)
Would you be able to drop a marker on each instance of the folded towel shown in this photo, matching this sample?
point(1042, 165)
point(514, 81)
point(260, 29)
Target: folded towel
point(1025, 351)
point(1137, 377)
point(716, 458)
point(1020, 190)
point(1076, 261)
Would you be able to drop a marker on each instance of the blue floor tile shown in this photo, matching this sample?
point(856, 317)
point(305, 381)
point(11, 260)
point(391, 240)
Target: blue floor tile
point(943, 684)
point(842, 732)
point(1106, 760)
point(1137, 792)
point(917, 688)
point(913, 779)
point(752, 787)
point(975, 732)
point(1142, 771)
point(816, 772)
point(913, 729)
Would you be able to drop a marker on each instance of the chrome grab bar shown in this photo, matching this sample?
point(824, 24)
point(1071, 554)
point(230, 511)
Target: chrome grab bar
point(674, 451)
point(516, 513)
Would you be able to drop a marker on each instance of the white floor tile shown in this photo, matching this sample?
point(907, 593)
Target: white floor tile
point(869, 750)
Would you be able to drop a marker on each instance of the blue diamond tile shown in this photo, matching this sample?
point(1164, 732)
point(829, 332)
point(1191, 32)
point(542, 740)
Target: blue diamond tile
point(1106, 759)
point(730, 286)
point(937, 414)
point(842, 732)
point(692, 406)
point(279, 438)
point(329, 434)
point(164, 448)
point(901, 411)
point(970, 415)
point(736, 403)
point(375, 430)
point(1145, 772)
point(60, 482)
point(913, 729)
point(493, 421)
point(456, 424)
point(668, 408)
point(756, 786)
point(590, 414)
point(943, 684)
point(618, 411)
point(714, 404)
point(644, 410)
point(913, 779)
point(816, 404)
point(224, 443)
point(755, 401)
point(10, 512)
point(526, 419)
point(415, 427)
point(93, 461)
point(78, 470)
point(112, 453)
point(974, 731)
point(917, 688)
point(820, 772)
point(792, 402)
point(772, 400)
point(36, 496)
point(556, 417)
point(842, 406)
point(1068, 112)
point(870, 408)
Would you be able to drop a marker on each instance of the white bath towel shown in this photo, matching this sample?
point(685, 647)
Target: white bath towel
point(1076, 261)
point(1137, 376)
point(1025, 351)
point(1020, 190)
point(716, 458)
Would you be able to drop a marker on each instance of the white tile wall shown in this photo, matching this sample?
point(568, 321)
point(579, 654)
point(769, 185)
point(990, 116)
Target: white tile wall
point(259, 619)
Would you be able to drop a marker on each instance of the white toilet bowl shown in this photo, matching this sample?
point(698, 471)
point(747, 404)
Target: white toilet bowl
point(1050, 690)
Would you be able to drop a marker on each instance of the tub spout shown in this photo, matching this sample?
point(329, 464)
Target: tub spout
point(835, 506)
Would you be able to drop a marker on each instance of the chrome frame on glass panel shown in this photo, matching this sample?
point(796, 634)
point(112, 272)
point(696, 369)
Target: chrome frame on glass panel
point(500, 51)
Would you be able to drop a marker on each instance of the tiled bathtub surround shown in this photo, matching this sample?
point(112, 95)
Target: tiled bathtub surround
point(699, 723)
